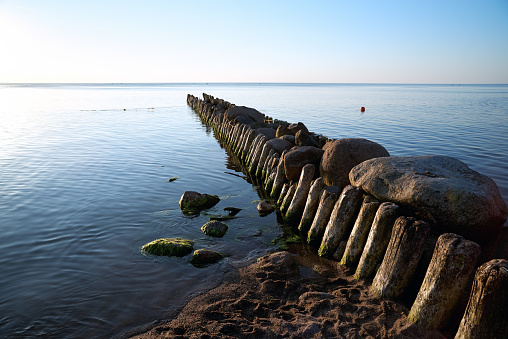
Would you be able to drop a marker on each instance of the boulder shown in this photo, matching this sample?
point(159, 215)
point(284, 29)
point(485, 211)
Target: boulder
point(290, 138)
point(169, 246)
point(243, 119)
point(298, 157)
point(294, 128)
point(279, 145)
point(214, 228)
point(265, 208)
point(340, 156)
point(252, 113)
point(203, 257)
point(268, 132)
point(192, 202)
point(441, 189)
point(305, 139)
point(282, 130)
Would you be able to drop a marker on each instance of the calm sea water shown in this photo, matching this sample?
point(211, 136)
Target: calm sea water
point(84, 184)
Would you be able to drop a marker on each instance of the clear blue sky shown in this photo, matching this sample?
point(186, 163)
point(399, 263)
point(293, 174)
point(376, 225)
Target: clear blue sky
point(442, 41)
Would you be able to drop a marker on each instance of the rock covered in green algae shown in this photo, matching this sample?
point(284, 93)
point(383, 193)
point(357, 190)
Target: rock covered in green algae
point(194, 202)
point(169, 246)
point(204, 257)
point(214, 228)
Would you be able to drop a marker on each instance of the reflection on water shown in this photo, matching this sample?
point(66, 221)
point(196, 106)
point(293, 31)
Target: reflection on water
point(84, 183)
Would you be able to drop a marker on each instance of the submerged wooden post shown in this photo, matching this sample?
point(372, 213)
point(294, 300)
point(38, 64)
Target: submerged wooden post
point(486, 314)
point(297, 204)
point(358, 236)
point(452, 264)
point(378, 239)
point(342, 217)
point(401, 258)
point(324, 210)
point(311, 205)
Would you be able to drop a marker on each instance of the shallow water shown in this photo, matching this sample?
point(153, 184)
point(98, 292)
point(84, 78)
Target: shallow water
point(84, 183)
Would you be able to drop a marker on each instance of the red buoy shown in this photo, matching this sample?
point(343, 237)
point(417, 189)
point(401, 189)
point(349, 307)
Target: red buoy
point(362, 109)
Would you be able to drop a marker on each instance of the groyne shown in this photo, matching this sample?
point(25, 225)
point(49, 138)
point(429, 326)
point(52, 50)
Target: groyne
point(419, 227)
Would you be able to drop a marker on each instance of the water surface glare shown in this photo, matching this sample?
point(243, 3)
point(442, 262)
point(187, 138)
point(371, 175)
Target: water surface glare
point(84, 183)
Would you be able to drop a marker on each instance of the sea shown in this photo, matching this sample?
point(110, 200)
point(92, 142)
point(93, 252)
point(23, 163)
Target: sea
point(85, 175)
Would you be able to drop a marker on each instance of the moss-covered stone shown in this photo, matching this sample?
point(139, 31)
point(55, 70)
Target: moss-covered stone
point(214, 228)
point(192, 202)
point(203, 257)
point(169, 246)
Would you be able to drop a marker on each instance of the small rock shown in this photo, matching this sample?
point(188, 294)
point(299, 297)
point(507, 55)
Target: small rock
point(192, 202)
point(204, 257)
point(173, 179)
point(215, 228)
point(232, 210)
point(265, 208)
point(169, 246)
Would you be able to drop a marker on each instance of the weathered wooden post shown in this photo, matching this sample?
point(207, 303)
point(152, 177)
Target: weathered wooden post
point(311, 205)
point(324, 210)
point(358, 236)
point(450, 268)
point(283, 193)
point(297, 204)
point(287, 199)
point(279, 178)
point(378, 239)
point(401, 258)
point(342, 217)
point(486, 313)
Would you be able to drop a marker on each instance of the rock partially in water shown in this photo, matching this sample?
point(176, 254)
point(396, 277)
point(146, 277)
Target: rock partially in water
point(177, 247)
point(264, 208)
point(203, 257)
point(340, 156)
point(192, 202)
point(214, 228)
point(232, 210)
point(441, 189)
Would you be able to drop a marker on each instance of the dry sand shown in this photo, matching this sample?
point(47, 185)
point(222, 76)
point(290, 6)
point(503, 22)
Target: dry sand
point(284, 295)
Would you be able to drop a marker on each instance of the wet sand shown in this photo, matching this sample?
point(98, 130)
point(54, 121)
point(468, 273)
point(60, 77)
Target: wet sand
point(286, 295)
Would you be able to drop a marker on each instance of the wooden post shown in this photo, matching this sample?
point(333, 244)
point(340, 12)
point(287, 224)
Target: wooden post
point(283, 193)
point(401, 258)
point(378, 239)
point(311, 205)
point(486, 314)
point(279, 178)
point(295, 209)
point(340, 223)
point(358, 236)
point(450, 268)
point(287, 199)
point(322, 216)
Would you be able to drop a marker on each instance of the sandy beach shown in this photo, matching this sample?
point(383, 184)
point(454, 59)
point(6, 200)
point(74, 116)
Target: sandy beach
point(285, 295)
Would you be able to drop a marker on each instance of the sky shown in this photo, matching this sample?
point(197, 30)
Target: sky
point(442, 41)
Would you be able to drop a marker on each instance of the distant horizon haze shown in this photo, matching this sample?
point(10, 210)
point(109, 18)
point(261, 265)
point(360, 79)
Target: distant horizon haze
point(155, 41)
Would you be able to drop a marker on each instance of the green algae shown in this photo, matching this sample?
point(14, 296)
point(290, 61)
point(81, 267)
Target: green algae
point(214, 228)
point(177, 247)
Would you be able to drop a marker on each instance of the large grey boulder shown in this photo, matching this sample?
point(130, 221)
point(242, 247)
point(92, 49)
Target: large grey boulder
point(441, 189)
point(252, 113)
point(299, 156)
point(342, 155)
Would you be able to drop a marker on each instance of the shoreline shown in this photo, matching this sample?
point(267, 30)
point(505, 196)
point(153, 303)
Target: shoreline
point(286, 295)
point(288, 287)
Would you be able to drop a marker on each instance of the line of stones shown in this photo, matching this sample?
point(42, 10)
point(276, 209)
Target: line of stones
point(359, 230)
